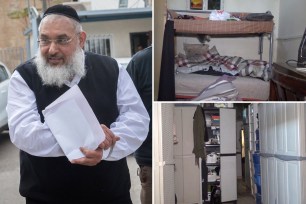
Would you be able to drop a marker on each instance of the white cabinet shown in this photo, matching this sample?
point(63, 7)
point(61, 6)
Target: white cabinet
point(283, 150)
point(187, 183)
point(183, 117)
point(228, 172)
point(188, 178)
point(187, 173)
point(225, 122)
point(268, 190)
point(228, 131)
point(282, 127)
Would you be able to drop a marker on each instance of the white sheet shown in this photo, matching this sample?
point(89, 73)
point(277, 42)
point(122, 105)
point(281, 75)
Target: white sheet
point(73, 123)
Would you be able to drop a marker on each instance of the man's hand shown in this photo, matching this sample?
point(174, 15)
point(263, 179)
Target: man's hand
point(93, 157)
point(110, 138)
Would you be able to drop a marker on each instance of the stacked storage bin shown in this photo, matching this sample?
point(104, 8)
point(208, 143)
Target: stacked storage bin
point(257, 139)
point(256, 160)
point(283, 152)
point(257, 177)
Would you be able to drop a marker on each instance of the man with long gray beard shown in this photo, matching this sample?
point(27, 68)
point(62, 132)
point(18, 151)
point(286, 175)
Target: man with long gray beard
point(47, 176)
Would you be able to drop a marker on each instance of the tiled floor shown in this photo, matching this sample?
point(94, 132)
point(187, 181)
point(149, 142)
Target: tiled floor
point(244, 194)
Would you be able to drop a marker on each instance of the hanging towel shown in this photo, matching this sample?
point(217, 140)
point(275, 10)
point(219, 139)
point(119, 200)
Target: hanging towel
point(166, 90)
point(199, 134)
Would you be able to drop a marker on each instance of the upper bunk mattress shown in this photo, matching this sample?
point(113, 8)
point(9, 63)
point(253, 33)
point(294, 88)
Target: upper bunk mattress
point(205, 26)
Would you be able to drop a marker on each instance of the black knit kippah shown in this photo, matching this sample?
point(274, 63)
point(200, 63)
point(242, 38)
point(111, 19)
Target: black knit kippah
point(64, 10)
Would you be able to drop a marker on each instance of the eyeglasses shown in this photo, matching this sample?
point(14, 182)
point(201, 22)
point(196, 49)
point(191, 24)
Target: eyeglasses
point(58, 41)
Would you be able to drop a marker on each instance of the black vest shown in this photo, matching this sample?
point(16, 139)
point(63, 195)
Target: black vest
point(55, 179)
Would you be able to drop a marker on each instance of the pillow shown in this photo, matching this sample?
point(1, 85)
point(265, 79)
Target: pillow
point(180, 60)
point(192, 50)
point(211, 54)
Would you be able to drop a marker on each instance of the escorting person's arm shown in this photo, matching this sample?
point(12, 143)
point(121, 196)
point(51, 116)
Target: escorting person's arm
point(133, 121)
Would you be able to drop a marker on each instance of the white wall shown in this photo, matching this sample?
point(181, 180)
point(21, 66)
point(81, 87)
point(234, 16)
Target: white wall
point(254, 6)
point(292, 23)
point(112, 4)
point(229, 5)
point(120, 30)
point(178, 4)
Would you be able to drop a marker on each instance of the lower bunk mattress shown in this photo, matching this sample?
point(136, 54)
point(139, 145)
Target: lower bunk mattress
point(188, 86)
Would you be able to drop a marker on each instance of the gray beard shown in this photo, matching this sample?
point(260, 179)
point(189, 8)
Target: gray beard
point(58, 75)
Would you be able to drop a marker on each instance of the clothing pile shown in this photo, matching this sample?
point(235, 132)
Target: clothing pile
point(221, 90)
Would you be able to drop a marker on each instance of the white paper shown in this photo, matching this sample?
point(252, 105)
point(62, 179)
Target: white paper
point(73, 123)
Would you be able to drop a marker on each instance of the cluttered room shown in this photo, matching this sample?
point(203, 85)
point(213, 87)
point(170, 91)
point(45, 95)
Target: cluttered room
point(243, 50)
point(240, 153)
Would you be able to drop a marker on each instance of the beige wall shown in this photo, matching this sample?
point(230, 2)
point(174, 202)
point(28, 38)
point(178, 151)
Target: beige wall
point(292, 23)
point(120, 31)
point(12, 40)
point(13, 35)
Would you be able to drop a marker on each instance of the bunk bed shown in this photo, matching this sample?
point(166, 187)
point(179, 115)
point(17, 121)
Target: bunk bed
point(176, 85)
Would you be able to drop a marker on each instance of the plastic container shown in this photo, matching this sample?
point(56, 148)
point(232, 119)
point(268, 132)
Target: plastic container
point(257, 180)
point(257, 146)
point(256, 158)
point(257, 169)
point(258, 198)
point(258, 189)
point(257, 134)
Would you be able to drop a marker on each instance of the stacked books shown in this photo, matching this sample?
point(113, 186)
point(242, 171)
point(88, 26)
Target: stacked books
point(215, 120)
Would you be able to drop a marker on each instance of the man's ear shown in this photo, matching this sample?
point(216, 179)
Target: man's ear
point(82, 39)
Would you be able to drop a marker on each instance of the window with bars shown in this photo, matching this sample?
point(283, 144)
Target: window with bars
point(100, 44)
point(123, 3)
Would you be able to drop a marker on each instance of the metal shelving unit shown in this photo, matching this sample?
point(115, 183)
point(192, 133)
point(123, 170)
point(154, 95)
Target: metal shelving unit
point(222, 133)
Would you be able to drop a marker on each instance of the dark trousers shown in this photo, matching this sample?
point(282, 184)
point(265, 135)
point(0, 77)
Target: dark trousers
point(145, 176)
point(122, 200)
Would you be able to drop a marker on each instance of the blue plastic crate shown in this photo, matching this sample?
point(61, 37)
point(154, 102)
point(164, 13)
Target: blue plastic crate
point(257, 169)
point(256, 158)
point(258, 188)
point(257, 146)
point(257, 134)
point(257, 180)
point(258, 198)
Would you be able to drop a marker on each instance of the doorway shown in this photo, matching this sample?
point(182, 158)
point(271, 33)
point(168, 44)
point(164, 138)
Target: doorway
point(139, 41)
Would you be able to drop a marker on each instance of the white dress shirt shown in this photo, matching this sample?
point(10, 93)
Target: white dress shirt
point(29, 134)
